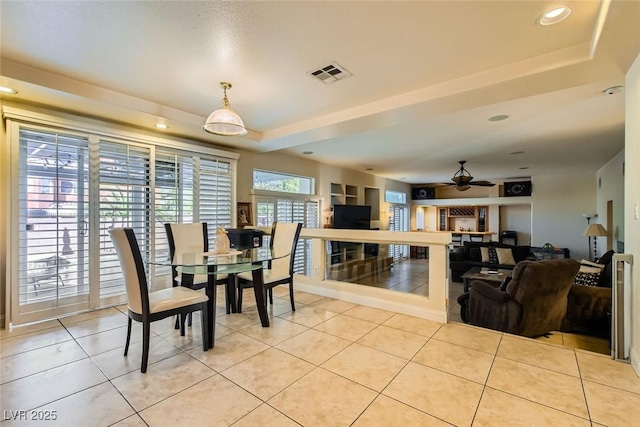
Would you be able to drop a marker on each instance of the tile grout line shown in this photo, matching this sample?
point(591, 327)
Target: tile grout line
point(484, 386)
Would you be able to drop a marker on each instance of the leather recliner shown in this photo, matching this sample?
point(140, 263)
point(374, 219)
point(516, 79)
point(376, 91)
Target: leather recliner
point(534, 302)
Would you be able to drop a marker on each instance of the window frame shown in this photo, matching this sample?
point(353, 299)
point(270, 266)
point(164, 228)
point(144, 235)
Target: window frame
point(312, 182)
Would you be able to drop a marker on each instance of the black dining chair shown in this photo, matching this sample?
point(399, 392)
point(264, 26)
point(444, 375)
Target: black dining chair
point(284, 237)
point(145, 306)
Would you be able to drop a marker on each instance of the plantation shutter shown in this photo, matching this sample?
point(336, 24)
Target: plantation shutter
point(53, 196)
point(399, 222)
point(285, 209)
point(173, 198)
point(213, 192)
point(124, 183)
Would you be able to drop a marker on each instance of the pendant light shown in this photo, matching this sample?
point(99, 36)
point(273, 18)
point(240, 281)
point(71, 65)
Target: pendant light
point(225, 121)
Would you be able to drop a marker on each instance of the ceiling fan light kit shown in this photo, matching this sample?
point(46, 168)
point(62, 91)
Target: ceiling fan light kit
point(225, 121)
point(463, 180)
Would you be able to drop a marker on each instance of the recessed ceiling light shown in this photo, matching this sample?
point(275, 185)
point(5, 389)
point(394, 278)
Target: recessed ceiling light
point(162, 125)
point(524, 167)
point(307, 152)
point(554, 16)
point(5, 89)
point(517, 152)
point(498, 118)
point(612, 90)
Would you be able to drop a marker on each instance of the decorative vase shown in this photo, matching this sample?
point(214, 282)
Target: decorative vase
point(222, 244)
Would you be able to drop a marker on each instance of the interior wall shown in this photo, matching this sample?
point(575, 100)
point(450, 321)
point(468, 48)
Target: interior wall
point(517, 218)
point(558, 202)
point(632, 200)
point(450, 192)
point(611, 187)
point(324, 175)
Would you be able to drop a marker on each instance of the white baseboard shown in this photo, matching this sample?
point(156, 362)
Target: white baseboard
point(409, 304)
point(635, 361)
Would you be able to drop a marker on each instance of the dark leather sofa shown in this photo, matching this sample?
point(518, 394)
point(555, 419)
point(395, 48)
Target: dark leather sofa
point(467, 256)
point(589, 307)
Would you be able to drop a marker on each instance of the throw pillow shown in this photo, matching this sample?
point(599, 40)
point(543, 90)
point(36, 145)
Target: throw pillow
point(586, 279)
point(606, 258)
point(589, 274)
point(493, 255)
point(489, 254)
point(484, 254)
point(587, 263)
point(505, 256)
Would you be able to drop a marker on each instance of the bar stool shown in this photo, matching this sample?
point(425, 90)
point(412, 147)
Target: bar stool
point(509, 235)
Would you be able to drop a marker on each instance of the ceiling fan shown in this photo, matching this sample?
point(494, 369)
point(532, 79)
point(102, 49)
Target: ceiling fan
point(462, 179)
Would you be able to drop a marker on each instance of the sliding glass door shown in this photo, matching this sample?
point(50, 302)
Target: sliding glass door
point(53, 205)
point(69, 188)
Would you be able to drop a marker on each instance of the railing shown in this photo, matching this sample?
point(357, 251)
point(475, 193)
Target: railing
point(621, 297)
point(340, 259)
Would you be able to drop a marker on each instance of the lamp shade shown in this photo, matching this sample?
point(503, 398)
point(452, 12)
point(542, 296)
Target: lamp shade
point(225, 121)
point(594, 230)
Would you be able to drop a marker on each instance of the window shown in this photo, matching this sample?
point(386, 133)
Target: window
point(395, 197)
point(420, 219)
point(291, 210)
point(297, 208)
point(399, 221)
point(275, 181)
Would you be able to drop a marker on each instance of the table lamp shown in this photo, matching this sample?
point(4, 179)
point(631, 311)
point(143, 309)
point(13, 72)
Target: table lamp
point(594, 230)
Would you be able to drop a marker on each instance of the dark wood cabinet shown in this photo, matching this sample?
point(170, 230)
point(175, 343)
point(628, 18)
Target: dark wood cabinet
point(447, 217)
point(418, 252)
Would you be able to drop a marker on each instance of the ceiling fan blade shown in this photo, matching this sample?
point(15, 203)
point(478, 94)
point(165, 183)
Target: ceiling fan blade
point(482, 183)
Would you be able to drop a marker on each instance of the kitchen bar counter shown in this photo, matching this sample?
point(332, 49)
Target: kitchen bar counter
point(466, 235)
point(473, 233)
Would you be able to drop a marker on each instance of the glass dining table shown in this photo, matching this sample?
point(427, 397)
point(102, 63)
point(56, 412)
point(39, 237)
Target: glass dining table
point(231, 263)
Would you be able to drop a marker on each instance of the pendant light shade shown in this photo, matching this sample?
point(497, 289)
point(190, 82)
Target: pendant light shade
point(225, 121)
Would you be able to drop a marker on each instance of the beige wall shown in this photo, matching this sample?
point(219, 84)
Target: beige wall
point(450, 192)
point(517, 218)
point(632, 200)
point(611, 188)
point(323, 173)
point(558, 202)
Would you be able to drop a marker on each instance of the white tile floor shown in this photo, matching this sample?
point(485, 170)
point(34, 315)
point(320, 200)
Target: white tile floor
point(330, 363)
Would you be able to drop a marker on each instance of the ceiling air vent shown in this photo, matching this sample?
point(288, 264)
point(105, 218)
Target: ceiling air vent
point(330, 74)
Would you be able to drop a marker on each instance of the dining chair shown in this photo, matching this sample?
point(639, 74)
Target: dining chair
point(284, 237)
point(192, 237)
point(476, 238)
point(145, 306)
point(456, 239)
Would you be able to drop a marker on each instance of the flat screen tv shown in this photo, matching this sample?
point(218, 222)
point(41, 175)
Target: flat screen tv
point(352, 216)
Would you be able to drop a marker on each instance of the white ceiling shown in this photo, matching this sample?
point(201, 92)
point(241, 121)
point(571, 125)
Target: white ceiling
point(426, 77)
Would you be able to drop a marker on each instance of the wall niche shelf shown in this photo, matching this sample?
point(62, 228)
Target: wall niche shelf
point(344, 194)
